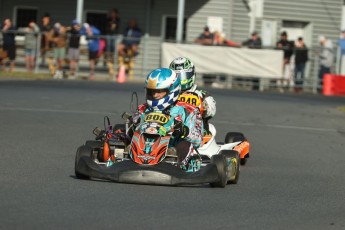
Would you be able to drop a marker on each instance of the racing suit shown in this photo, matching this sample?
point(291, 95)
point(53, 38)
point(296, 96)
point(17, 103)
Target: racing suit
point(186, 123)
point(202, 100)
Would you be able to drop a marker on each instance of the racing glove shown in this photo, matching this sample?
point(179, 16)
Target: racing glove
point(180, 130)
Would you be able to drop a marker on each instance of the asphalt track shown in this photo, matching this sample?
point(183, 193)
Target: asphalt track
point(293, 180)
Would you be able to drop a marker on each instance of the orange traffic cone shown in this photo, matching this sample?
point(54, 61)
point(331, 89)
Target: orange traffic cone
point(121, 77)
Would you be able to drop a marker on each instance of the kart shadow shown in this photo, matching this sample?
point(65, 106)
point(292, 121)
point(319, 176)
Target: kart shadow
point(159, 185)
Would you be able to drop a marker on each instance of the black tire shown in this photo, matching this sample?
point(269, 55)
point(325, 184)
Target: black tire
point(81, 152)
point(243, 161)
point(122, 127)
point(220, 162)
point(234, 137)
point(233, 160)
point(94, 144)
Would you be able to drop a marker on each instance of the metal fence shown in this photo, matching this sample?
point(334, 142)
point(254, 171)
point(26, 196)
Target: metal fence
point(285, 83)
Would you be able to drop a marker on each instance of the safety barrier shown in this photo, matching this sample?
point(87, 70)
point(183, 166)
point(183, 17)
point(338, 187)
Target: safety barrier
point(333, 85)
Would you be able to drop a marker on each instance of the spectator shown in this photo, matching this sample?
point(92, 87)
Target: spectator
point(326, 57)
point(73, 49)
point(130, 43)
point(9, 43)
point(206, 37)
point(30, 46)
point(46, 44)
point(92, 37)
point(287, 47)
point(301, 57)
point(341, 44)
point(59, 38)
point(112, 30)
point(221, 40)
point(253, 42)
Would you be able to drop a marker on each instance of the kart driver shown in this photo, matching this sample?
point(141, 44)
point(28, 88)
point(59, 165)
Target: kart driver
point(163, 87)
point(186, 70)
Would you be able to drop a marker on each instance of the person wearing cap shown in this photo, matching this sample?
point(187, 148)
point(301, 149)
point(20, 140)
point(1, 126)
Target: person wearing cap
point(206, 37)
point(253, 42)
point(326, 58)
point(92, 36)
point(58, 35)
point(73, 49)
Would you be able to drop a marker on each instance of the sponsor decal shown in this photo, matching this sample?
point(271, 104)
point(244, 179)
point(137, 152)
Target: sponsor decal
point(157, 117)
point(146, 157)
point(190, 98)
point(239, 148)
point(151, 130)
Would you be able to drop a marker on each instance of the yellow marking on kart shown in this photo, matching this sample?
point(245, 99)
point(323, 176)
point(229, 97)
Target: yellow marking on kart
point(157, 117)
point(191, 99)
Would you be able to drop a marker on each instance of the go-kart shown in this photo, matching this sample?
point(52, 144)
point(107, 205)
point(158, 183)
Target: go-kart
point(148, 159)
point(233, 141)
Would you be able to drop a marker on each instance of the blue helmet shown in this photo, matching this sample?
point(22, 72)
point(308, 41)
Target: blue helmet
point(165, 79)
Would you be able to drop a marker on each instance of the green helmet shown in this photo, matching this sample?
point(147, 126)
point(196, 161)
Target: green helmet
point(186, 70)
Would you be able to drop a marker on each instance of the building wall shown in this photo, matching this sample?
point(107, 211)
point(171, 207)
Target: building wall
point(324, 16)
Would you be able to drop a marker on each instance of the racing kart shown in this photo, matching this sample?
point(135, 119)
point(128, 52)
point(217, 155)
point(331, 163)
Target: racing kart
point(148, 159)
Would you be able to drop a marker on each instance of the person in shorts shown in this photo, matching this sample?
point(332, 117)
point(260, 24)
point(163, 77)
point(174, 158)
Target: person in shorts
point(73, 49)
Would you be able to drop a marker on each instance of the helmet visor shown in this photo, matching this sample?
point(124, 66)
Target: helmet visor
point(185, 75)
point(156, 94)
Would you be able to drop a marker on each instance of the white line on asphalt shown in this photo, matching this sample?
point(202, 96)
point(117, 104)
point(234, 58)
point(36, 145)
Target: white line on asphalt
point(215, 121)
point(53, 110)
point(277, 126)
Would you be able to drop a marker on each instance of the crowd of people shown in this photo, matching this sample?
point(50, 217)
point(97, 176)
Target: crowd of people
point(60, 44)
point(295, 55)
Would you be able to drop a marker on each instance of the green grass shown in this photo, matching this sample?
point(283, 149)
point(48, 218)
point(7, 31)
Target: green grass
point(24, 75)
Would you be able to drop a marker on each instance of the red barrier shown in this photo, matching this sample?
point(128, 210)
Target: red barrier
point(333, 85)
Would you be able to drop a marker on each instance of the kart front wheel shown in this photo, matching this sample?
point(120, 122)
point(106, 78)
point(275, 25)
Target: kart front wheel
point(83, 151)
point(94, 144)
point(221, 164)
point(233, 161)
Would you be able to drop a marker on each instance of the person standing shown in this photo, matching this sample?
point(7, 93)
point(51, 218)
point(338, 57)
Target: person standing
point(301, 57)
point(46, 44)
point(253, 42)
point(73, 49)
point(30, 45)
point(326, 58)
point(341, 44)
point(112, 31)
point(206, 37)
point(9, 43)
point(92, 37)
point(287, 47)
point(59, 39)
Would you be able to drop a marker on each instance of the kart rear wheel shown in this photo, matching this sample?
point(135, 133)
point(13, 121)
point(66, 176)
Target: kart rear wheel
point(81, 152)
point(233, 160)
point(221, 164)
point(243, 161)
point(234, 137)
